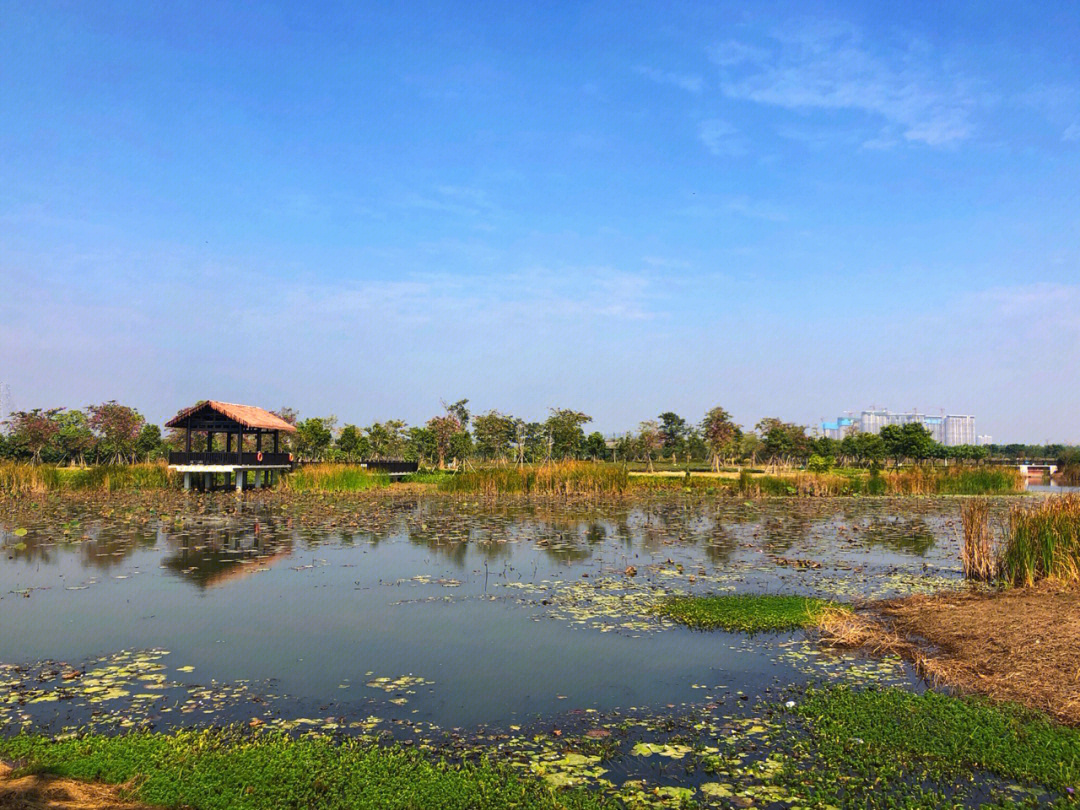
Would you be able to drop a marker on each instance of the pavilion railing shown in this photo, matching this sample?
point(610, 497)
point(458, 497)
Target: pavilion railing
point(220, 457)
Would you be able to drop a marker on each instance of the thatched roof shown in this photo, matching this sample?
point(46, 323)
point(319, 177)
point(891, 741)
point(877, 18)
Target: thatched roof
point(247, 415)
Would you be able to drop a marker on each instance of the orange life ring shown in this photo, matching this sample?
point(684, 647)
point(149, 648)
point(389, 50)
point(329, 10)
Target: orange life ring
point(290, 458)
point(258, 456)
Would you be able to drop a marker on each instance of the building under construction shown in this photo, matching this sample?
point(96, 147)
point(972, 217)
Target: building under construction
point(949, 429)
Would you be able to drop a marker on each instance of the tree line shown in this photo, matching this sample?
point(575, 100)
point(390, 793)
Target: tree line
point(112, 433)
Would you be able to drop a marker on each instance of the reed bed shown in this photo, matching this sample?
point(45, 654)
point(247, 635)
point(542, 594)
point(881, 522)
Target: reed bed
point(562, 478)
point(954, 481)
point(978, 556)
point(333, 478)
point(25, 479)
point(117, 478)
point(1043, 542)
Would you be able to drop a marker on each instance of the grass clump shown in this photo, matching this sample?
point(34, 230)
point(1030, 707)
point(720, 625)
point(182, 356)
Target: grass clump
point(1043, 542)
point(892, 747)
point(747, 613)
point(333, 478)
point(562, 478)
point(954, 481)
point(23, 479)
point(978, 557)
point(232, 770)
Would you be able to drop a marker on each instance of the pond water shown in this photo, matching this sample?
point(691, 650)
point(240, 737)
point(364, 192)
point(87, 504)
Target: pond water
point(427, 609)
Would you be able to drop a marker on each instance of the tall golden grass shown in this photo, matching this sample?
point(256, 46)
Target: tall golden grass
point(561, 478)
point(1043, 541)
point(23, 479)
point(954, 481)
point(978, 557)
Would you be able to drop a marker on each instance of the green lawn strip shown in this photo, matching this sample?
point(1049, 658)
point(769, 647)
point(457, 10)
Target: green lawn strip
point(748, 613)
point(219, 769)
point(891, 747)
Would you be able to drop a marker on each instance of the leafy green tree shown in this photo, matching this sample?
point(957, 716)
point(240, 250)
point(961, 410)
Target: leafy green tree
point(442, 430)
point(783, 441)
point(911, 441)
point(494, 433)
point(149, 444)
point(566, 439)
point(117, 428)
point(674, 430)
point(353, 444)
point(420, 446)
point(31, 433)
point(460, 411)
point(75, 439)
point(461, 446)
point(650, 441)
point(719, 433)
point(750, 447)
point(596, 446)
point(388, 439)
point(314, 437)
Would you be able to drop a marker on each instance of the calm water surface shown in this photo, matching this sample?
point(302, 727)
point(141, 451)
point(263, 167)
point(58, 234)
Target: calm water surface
point(507, 612)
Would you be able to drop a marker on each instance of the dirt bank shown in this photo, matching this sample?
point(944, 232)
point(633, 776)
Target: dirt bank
point(1021, 644)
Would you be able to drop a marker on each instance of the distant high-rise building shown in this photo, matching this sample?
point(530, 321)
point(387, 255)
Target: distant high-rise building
point(949, 430)
point(959, 430)
point(984, 439)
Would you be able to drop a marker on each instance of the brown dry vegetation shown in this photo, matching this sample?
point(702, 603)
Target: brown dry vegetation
point(1018, 645)
point(46, 792)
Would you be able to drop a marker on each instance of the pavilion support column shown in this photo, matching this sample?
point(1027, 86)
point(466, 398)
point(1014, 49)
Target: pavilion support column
point(187, 481)
point(208, 481)
point(240, 475)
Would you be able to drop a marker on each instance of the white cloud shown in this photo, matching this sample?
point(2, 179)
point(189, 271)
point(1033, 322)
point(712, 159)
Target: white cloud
point(690, 82)
point(830, 68)
point(721, 138)
point(1072, 133)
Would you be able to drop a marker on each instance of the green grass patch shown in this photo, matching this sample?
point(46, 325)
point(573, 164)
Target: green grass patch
point(333, 478)
point(747, 613)
point(426, 477)
point(561, 478)
point(1043, 542)
point(234, 770)
point(891, 747)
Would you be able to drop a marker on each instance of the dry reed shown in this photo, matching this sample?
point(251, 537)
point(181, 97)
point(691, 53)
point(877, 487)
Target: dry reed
point(978, 557)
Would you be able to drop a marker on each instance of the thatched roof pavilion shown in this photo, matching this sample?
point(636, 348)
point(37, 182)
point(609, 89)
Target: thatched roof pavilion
point(234, 422)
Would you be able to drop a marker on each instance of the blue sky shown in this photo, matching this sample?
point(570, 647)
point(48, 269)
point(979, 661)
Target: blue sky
point(361, 209)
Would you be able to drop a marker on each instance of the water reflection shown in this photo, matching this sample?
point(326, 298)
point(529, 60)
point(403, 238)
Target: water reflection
point(213, 541)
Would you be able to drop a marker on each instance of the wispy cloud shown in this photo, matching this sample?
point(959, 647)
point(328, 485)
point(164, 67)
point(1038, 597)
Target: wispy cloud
point(912, 88)
point(740, 206)
point(1072, 133)
point(721, 138)
point(687, 81)
point(458, 200)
